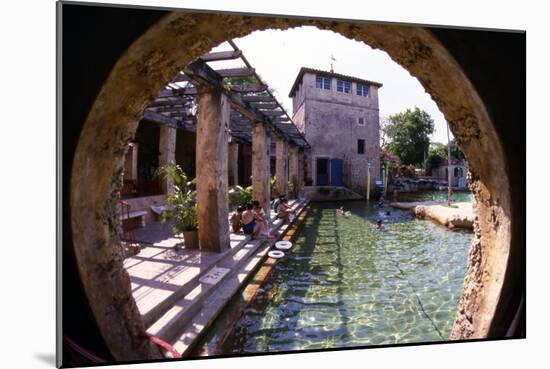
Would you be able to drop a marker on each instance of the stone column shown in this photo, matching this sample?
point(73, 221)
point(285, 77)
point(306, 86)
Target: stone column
point(293, 165)
point(167, 150)
point(135, 148)
point(233, 163)
point(260, 165)
point(211, 164)
point(301, 169)
point(281, 173)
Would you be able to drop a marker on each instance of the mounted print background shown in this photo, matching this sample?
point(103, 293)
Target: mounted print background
point(238, 184)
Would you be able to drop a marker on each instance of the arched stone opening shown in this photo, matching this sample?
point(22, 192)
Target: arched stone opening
point(178, 38)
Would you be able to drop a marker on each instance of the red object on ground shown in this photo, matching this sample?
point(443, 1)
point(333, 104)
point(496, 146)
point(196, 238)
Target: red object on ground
point(165, 346)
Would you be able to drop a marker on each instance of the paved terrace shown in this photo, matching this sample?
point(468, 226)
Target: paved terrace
point(180, 292)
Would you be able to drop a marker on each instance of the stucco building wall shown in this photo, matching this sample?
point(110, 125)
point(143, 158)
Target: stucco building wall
point(330, 121)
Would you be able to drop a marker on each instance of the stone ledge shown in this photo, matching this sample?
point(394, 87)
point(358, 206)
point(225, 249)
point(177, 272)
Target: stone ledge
point(459, 215)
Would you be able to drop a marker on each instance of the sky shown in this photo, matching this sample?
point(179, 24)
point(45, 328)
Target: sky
point(278, 55)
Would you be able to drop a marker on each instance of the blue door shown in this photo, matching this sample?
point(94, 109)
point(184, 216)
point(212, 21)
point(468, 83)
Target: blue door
point(336, 172)
point(322, 171)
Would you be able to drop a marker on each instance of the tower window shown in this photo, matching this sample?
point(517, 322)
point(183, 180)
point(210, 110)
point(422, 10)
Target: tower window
point(323, 82)
point(362, 90)
point(343, 86)
point(361, 121)
point(360, 146)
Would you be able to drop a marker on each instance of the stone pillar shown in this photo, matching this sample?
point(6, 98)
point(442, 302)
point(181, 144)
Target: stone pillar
point(233, 163)
point(301, 169)
point(211, 164)
point(281, 173)
point(131, 162)
point(260, 165)
point(167, 150)
point(293, 166)
point(135, 148)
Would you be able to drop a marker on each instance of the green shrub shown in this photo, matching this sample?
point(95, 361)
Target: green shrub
point(181, 199)
point(239, 196)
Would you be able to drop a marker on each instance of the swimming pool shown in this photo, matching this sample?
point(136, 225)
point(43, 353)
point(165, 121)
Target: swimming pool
point(433, 196)
point(346, 284)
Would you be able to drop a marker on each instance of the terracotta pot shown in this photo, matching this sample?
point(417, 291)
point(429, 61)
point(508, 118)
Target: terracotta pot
point(191, 239)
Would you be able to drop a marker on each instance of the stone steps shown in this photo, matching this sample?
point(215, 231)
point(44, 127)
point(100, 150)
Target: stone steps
point(159, 300)
point(198, 320)
point(175, 311)
point(213, 306)
point(181, 313)
point(157, 294)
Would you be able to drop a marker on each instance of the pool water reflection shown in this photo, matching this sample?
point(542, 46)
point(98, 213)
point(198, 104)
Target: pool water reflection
point(345, 283)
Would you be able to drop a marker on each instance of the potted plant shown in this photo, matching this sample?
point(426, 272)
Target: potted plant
point(239, 196)
point(181, 204)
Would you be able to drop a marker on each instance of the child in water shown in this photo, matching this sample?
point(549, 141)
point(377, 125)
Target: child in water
point(343, 212)
point(379, 225)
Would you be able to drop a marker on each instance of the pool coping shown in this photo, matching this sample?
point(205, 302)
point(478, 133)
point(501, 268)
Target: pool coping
point(249, 289)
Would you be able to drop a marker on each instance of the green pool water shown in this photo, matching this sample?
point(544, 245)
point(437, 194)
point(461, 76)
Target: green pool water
point(433, 196)
point(345, 284)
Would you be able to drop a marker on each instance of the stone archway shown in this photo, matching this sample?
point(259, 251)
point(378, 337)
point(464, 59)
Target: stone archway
point(178, 38)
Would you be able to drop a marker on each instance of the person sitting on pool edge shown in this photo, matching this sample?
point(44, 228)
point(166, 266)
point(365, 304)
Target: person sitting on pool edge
point(283, 210)
point(275, 203)
point(261, 230)
point(236, 219)
point(248, 220)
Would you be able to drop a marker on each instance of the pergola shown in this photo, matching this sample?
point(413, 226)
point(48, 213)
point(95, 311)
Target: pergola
point(226, 108)
point(250, 102)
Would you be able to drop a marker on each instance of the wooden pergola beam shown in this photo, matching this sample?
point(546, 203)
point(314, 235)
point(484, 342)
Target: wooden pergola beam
point(177, 92)
point(270, 105)
point(201, 73)
point(236, 72)
point(169, 101)
point(224, 73)
point(159, 118)
point(221, 55)
point(167, 108)
point(258, 98)
point(248, 88)
point(273, 113)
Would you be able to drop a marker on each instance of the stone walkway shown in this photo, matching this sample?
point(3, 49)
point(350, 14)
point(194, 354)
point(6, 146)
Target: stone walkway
point(179, 288)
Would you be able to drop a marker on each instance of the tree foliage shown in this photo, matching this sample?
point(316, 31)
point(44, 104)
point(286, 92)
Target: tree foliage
point(438, 155)
point(407, 135)
point(455, 151)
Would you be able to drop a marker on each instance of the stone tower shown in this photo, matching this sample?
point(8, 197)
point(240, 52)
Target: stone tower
point(339, 117)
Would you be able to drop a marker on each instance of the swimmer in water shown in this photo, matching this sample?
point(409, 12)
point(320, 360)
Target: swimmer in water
point(343, 212)
point(379, 224)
